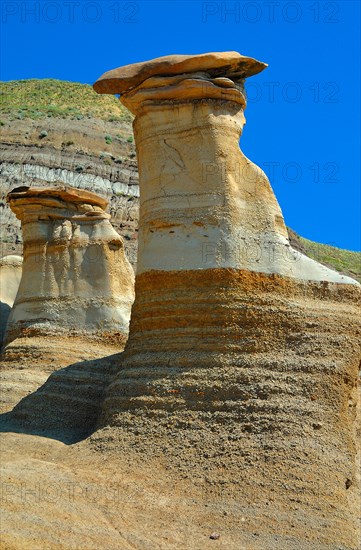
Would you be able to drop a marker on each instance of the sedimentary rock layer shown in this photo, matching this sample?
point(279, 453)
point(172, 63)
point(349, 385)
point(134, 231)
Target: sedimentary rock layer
point(76, 277)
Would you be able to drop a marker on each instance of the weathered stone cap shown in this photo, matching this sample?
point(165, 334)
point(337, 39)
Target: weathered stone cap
point(228, 64)
point(67, 194)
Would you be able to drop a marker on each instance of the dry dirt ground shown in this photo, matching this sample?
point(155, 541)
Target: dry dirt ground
point(58, 496)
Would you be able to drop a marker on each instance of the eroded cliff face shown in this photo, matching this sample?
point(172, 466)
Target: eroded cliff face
point(84, 151)
point(241, 363)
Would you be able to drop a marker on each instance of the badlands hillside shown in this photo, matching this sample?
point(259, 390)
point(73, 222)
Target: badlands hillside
point(55, 133)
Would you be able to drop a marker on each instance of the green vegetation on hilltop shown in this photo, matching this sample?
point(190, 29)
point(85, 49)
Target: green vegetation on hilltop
point(344, 261)
point(37, 99)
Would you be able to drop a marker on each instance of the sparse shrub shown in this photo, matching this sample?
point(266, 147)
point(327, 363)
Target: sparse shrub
point(67, 143)
point(54, 110)
point(108, 161)
point(119, 160)
point(130, 139)
point(43, 134)
point(79, 168)
point(105, 154)
point(132, 155)
point(35, 115)
point(2, 123)
point(108, 139)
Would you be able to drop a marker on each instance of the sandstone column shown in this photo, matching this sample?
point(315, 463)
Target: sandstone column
point(243, 354)
point(76, 278)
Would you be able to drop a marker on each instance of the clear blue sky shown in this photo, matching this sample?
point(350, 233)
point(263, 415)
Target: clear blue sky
point(303, 114)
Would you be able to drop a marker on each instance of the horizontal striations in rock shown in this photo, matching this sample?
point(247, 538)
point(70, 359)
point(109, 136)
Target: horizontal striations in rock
point(88, 153)
point(125, 185)
point(183, 335)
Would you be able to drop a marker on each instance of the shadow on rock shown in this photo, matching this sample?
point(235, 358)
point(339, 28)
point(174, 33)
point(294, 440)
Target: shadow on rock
point(4, 315)
point(67, 406)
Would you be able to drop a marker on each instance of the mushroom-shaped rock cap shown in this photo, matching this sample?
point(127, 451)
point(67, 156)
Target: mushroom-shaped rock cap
point(67, 194)
point(228, 64)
